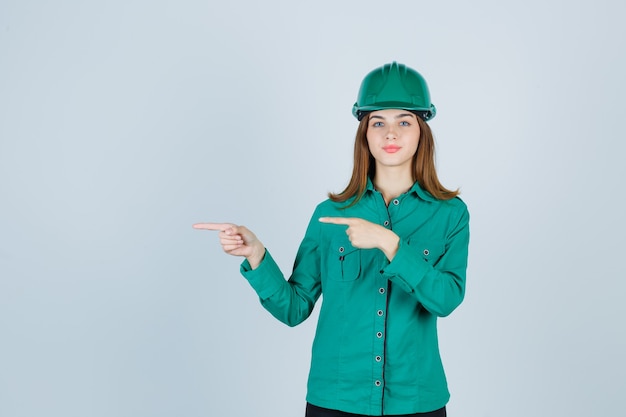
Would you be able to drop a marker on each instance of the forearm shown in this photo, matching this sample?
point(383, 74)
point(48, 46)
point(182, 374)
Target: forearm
point(439, 289)
point(291, 301)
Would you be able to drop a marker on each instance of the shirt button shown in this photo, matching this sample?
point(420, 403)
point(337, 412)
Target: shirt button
point(377, 383)
point(380, 312)
point(378, 359)
point(379, 335)
point(426, 252)
point(386, 223)
point(381, 290)
point(341, 249)
point(396, 202)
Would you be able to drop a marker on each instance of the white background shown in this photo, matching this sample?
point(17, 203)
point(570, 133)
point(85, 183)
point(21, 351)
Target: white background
point(124, 122)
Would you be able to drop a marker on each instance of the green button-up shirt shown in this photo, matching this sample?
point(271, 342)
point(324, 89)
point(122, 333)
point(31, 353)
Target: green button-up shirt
point(375, 350)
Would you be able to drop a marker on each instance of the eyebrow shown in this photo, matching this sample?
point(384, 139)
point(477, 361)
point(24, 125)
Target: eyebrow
point(397, 117)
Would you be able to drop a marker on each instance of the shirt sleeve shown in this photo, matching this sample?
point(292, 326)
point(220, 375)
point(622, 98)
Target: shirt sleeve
point(290, 301)
point(438, 286)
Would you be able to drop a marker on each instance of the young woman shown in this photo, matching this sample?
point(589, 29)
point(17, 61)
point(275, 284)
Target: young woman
point(389, 253)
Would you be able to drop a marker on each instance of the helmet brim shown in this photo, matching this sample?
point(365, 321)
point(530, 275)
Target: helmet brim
point(425, 114)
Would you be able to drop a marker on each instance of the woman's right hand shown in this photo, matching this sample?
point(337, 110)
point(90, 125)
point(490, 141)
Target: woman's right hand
point(237, 241)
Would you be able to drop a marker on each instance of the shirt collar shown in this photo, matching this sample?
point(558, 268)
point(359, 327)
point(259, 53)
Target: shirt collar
point(415, 189)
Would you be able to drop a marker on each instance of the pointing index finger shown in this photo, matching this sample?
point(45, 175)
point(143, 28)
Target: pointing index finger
point(213, 226)
point(336, 220)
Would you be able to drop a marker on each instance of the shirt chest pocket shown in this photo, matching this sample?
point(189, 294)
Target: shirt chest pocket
point(344, 260)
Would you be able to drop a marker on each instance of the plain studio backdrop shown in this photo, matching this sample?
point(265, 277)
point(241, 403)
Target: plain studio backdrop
point(122, 123)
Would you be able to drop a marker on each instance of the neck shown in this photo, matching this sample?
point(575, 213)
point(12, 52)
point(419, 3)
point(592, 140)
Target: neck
point(392, 182)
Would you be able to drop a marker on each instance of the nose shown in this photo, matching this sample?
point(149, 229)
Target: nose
point(391, 133)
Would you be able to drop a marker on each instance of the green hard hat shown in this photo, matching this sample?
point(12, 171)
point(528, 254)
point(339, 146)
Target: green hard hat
point(394, 86)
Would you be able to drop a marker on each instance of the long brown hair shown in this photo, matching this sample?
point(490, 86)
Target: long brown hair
point(423, 166)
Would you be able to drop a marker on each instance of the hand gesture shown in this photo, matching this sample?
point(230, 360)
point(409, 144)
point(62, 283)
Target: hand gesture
point(237, 241)
point(367, 235)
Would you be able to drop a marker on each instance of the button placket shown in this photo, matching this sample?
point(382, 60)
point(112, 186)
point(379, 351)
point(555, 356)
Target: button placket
point(380, 311)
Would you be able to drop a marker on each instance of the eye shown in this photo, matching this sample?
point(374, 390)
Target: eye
point(405, 123)
point(377, 124)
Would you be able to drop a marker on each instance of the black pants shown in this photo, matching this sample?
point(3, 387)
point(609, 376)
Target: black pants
point(314, 411)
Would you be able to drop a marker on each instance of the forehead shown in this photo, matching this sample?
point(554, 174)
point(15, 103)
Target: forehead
point(391, 113)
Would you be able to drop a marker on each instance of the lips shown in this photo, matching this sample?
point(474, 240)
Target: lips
point(391, 148)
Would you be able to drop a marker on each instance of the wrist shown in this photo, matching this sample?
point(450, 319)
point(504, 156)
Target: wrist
point(256, 257)
point(390, 245)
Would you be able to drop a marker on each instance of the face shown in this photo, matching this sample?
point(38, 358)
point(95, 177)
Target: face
point(392, 136)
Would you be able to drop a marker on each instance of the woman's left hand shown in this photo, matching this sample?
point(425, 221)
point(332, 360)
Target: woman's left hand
point(367, 235)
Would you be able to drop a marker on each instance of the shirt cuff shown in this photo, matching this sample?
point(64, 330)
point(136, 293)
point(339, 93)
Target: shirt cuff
point(266, 279)
point(407, 268)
